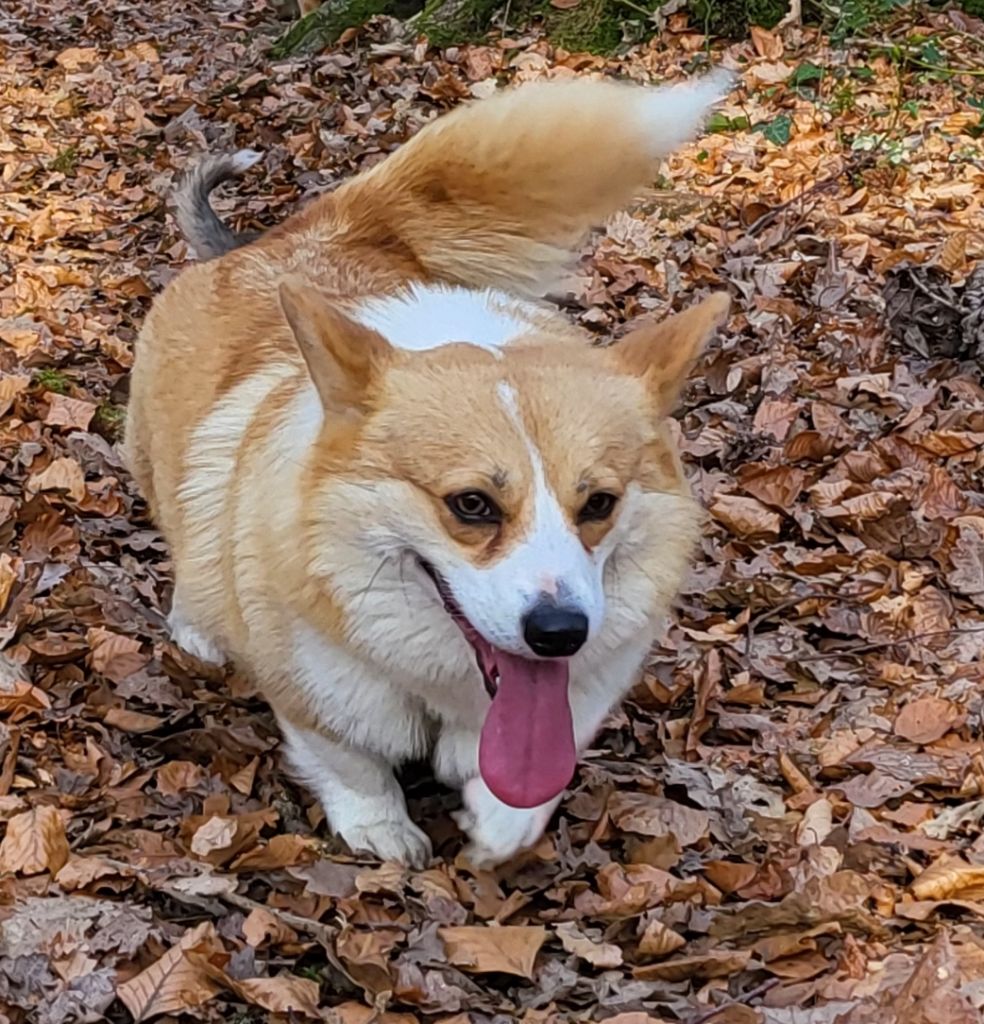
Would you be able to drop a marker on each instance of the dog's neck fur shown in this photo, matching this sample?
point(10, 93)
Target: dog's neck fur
point(429, 316)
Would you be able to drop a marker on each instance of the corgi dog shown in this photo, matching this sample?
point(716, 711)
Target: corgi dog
point(416, 505)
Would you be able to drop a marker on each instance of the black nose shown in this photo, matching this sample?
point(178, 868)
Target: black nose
point(554, 632)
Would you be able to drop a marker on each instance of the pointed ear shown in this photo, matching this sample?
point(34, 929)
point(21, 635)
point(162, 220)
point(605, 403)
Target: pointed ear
point(343, 356)
point(663, 353)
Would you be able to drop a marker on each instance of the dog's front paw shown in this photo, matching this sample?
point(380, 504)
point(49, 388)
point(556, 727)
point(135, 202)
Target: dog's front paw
point(395, 840)
point(497, 831)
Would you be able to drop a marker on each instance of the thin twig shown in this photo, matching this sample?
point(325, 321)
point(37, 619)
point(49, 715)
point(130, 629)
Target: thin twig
point(760, 223)
point(325, 934)
point(759, 990)
point(929, 293)
point(910, 54)
point(883, 644)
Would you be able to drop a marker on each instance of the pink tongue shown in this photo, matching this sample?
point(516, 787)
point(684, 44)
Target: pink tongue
point(526, 754)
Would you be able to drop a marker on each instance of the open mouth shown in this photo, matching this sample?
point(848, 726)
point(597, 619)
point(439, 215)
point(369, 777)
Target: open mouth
point(527, 753)
point(484, 651)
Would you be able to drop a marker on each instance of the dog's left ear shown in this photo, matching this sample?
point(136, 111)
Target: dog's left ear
point(663, 353)
point(343, 356)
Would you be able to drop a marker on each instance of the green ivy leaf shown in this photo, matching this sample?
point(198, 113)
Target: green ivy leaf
point(718, 123)
point(805, 74)
point(779, 130)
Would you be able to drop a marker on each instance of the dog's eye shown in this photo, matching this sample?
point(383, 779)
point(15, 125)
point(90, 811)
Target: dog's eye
point(474, 507)
point(599, 506)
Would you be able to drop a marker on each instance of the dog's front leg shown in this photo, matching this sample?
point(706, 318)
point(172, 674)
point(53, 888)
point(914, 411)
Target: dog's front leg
point(359, 793)
point(497, 831)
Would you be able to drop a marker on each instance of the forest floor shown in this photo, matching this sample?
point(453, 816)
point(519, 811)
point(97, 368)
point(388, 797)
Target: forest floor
point(784, 823)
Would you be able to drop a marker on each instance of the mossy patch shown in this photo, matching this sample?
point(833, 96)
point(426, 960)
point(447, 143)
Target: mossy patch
point(733, 17)
point(594, 26)
point(322, 27)
point(52, 380)
point(446, 22)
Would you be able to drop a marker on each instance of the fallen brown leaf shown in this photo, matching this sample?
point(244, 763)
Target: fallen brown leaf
point(510, 949)
point(35, 841)
point(717, 963)
point(177, 982)
point(927, 719)
point(598, 954)
point(745, 517)
point(948, 877)
point(649, 815)
point(74, 413)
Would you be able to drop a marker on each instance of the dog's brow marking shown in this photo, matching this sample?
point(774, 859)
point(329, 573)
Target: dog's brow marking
point(429, 316)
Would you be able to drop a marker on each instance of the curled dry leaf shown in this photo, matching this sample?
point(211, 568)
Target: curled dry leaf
point(178, 776)
point(282, 851)
point(74, 413)
point(598, 954)
point(11, 385)
point(63, 475)
point(717, 963)
point(285, 993)
point(948, 877)
point(510, 949)
point(745, 517)
point(839, 897)
point(79, 872)
point(261, 926)
point(132, 721)
point(216, 834)
point(817, 823)
point(8, 577)
point(659, 940)
point(35, 841)
point(767, 44)
point(650, 815)
point(114, 655)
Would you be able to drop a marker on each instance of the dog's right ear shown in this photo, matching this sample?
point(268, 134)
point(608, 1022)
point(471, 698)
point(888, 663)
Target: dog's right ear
point(343, 357)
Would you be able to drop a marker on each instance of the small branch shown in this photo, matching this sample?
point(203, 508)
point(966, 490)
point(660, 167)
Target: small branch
point(707, 1017)
point(324, 934)
point(911, 55)
point(635, 7)
point(930, 294)
point(882, 645)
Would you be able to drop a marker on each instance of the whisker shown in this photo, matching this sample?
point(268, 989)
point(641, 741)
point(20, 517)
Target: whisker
point(365, 591)
point(643, 571)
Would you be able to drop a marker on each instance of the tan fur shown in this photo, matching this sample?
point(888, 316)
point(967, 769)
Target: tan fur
point(491, 195)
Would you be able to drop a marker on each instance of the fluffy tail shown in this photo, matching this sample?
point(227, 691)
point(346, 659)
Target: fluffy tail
point(202, 229)
point(498, 192)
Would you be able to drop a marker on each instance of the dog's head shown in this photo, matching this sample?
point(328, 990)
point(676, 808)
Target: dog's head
point(531, 489)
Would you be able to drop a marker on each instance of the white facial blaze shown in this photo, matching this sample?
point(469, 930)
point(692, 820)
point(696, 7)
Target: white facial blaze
point(550, 559)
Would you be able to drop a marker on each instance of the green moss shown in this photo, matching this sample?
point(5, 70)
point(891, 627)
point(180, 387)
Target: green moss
point(594, 26)
point(109, 420)
point(52, 380)
point(322, 27)
point(733, 17)
point(66, 161)
point(446, 22)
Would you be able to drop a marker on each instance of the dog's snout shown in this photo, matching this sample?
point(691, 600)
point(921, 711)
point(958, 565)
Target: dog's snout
point(554, 631)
